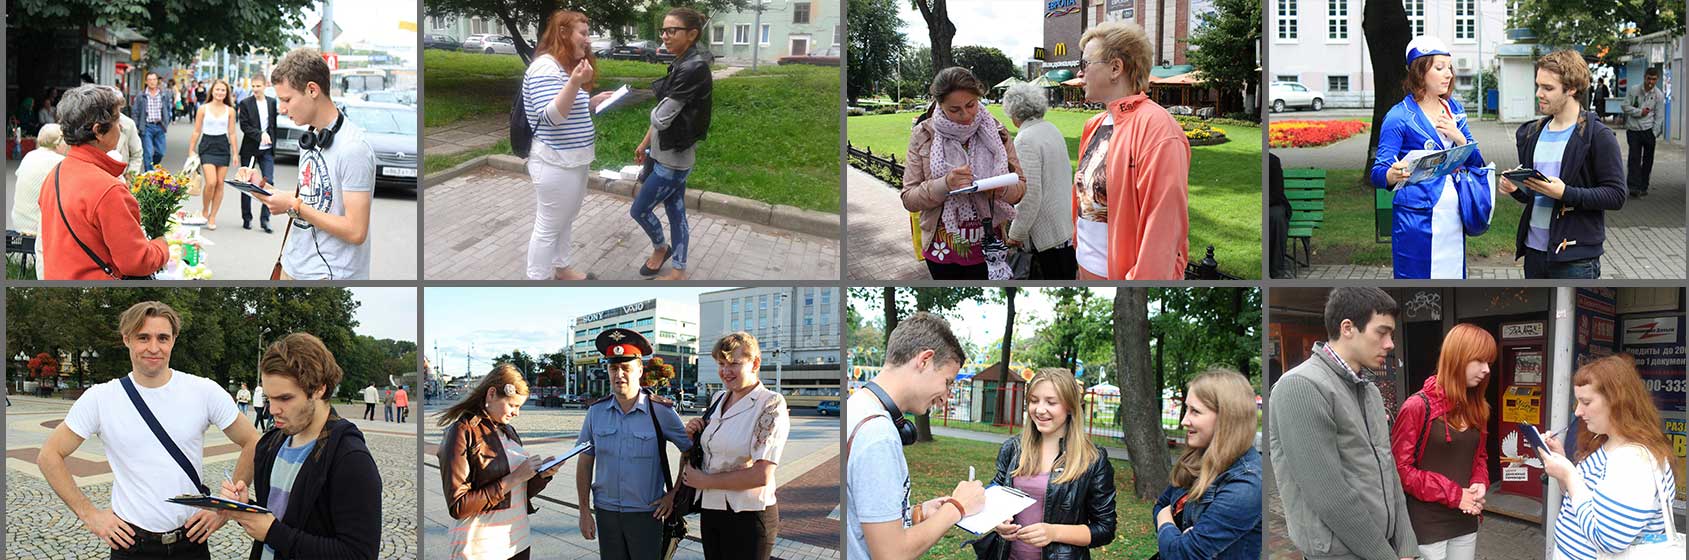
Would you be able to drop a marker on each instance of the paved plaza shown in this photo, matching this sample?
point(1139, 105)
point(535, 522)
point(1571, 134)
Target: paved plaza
point(40, 527)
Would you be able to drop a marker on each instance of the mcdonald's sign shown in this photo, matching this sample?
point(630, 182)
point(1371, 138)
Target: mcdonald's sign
point(1060, 49)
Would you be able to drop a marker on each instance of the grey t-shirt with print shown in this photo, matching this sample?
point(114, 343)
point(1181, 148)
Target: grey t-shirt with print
point(325, 176)
point(875, 460)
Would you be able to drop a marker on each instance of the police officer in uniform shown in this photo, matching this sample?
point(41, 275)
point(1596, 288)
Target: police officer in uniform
point(620, 478)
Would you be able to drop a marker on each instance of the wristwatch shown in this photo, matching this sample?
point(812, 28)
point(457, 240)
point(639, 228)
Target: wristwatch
point(294, 211)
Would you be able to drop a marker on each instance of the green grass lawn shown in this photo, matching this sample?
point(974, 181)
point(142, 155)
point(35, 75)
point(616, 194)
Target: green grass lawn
point(934, 469)
point(773, 133)
point(991, 429)
point(1347, 236)
point(1225, 181)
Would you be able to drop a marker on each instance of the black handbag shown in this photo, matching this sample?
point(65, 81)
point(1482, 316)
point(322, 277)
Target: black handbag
point(674, 526)
point(687, 499)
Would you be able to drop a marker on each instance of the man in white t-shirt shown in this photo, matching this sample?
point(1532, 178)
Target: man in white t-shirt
point(331, 218)
point(140, 523)
point(922, 357)
point(371, 397)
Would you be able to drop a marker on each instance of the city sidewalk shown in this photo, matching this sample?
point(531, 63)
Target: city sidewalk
point(881, 246)
point(479, 224)
point(1645, 239)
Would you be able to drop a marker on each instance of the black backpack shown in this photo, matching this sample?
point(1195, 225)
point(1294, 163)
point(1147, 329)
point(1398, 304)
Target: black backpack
point(521, 131)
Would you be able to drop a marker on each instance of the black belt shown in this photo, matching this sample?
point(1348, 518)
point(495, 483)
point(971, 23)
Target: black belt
point(172, 536)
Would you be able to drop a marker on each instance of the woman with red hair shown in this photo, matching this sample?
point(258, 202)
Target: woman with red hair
point(559, 107)
point(1438, 443)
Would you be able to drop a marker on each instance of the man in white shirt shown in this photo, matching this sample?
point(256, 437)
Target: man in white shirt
point(371, 397)
point(140, 523)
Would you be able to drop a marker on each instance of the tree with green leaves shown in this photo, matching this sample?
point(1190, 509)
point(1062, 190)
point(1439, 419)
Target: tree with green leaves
point(914, 73)
point(1600, 26)
point(876, 38)
point(175, 29)
point(989, 64)
point(1233, 28)
point(614, 16)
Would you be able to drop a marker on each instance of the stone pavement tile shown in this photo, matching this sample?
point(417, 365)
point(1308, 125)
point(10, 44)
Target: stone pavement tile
point(479, 226)
point(881, 247)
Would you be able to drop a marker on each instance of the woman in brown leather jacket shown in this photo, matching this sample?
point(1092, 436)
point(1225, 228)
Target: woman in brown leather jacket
point(488, 477)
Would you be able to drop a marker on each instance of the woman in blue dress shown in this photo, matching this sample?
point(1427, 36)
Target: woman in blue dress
point(1433, 216)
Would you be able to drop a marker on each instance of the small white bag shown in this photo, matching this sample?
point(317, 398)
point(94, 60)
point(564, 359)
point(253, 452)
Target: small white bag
point(1672, 548)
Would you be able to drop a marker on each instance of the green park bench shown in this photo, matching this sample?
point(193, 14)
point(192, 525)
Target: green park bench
point(1383, 218)
point(1305, 187)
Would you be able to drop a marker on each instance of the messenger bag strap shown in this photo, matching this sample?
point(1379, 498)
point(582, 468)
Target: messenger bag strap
point(163, 437)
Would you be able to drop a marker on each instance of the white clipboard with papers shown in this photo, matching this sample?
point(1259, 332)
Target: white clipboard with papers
point(614, 97)
point(1001, 504)
point(989, 183)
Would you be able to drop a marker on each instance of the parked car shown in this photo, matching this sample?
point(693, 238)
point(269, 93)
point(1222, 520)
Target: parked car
point(390, 129)
point(636, 50)
point(1293, 94)
point(666, 57)
point(440, 41)
point(827, 408)
point(601, 47)
point(400, 96)
point(488, 43)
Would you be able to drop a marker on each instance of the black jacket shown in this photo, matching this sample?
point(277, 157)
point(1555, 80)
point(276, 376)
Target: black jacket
point(247, 119)
point(334, 508)
point(688, 81)
point(1593, 170)
point(1087, 500)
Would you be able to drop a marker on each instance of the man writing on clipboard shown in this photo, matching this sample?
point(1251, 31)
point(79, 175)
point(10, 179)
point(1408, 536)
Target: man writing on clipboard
point(313, 470)
point(152, 425)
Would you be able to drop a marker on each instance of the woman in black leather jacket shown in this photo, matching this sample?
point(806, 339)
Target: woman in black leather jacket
point(680, 120)
point(1069, 476)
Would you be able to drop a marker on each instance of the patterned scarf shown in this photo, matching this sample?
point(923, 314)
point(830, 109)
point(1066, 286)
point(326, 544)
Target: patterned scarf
point(987, 158)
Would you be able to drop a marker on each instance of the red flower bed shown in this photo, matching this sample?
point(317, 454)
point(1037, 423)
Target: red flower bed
point(1308, 134)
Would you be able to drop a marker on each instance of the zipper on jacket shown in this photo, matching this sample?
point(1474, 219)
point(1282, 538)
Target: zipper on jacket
point(1390, 523)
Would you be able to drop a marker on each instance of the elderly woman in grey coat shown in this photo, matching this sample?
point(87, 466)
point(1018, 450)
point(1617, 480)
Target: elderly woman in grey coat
point(1042, 225)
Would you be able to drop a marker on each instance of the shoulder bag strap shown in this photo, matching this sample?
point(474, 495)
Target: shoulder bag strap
point(851, 439)
point(1424, 430)
point(163, 437)
point(276, 271)
point(662, 444)
point(709, 410)
point(58, 199)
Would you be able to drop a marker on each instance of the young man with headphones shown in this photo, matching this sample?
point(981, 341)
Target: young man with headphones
point(330, 210)
point(922, 358)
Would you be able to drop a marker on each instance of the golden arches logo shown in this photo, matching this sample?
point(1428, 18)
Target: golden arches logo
point(1061, 49)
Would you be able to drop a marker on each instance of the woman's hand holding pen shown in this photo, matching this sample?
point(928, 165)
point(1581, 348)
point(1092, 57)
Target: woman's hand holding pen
point(1398, 172)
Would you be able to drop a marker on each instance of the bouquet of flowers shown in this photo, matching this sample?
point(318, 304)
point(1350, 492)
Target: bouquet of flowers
point(160, 194)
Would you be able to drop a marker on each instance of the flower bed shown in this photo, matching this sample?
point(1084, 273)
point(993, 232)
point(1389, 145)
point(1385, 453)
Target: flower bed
point(1308, 134)
point(1202, 134)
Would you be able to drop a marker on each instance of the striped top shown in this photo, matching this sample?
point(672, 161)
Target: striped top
point(552, 129)
point(496, 535)
point(1613, 512)
point(1550, 151)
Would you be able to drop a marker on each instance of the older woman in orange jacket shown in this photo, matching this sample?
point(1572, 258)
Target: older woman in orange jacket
point(84, 200)
point(1130, 189)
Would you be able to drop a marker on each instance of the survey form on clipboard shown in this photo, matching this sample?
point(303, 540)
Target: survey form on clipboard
point(1001, 504)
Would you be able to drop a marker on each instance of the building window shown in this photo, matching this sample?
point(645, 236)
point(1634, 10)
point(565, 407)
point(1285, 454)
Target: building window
point(1337, 83)
point(1287, 19)
point(800, 13)
point(735, 305)
point(438, 22)
point(1466, 19)
point(1337, 20)
point(716, 34)
point(1415, 15)
point(762, 301)
point(827, 296)
point(1285, 78)
point(763, 37)
point(742, 34)
point(837, 29)
point(478, 25)
point(1463, 82)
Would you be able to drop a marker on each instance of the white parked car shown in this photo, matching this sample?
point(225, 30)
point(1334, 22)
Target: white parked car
point(488, 43)
point(1293, 94)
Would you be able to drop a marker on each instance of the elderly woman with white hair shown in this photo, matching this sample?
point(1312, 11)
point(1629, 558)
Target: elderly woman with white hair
point(49, 150)
point(1041, 225)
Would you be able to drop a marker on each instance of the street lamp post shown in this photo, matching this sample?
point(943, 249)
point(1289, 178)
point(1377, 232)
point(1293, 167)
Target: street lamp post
point(23, 367)
point(87, 356)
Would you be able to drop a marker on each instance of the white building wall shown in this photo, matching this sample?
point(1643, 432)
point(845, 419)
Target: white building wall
point(1320, 51)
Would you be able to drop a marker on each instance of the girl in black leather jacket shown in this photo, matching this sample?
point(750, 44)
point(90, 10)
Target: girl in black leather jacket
point(1070, 476)
point(680, 120)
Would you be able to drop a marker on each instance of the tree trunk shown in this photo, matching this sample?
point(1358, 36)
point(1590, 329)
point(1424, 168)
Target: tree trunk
point(1140, 411)
point(1008, 327)
point(1387, 32)
point(1238, 329)
point(523, 49)
point(890, 305)
point(939, 31)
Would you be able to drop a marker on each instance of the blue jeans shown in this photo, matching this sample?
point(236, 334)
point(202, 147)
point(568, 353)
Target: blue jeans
point(267, 165)
point(666, 186)
point(387, 412)
point(1537, 265)
point(152, 145)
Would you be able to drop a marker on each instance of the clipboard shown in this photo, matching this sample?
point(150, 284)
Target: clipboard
point(1521, 174)
point(1532, 436)
point(215, 503)
point(611, 101)
point(988, 183)
point(1001, 504)
point(546, 466)
point(248, 188)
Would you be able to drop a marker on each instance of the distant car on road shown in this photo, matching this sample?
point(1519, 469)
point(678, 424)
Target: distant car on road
point(390, 129)
point(1293, 94)
point(635, 50)
point(488, 43)
point(827, 408)
point(400, 96)
point(440, 41)
point(601, 47)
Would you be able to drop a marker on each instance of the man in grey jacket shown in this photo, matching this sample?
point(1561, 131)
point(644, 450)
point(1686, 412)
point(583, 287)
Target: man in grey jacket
point(1644, 111)
point(1330, 441)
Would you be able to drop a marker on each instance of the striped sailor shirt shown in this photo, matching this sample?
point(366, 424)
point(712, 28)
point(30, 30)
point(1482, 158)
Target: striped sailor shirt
point(568, 139)
point(1617, 506)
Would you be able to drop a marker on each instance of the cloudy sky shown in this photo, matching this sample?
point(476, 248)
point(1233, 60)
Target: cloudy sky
point(1013, 26)
point(386, 312)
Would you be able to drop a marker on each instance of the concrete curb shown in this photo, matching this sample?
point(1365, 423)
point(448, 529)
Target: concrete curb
point(781, 216)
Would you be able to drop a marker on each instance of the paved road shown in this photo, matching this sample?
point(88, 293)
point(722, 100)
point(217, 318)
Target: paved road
point(807, 492)
point(1645, 239)
point(479, 225)
point(880, 239)
point(249, 254)
point(40, 527)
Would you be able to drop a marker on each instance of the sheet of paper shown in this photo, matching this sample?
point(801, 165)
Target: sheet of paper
point(1001, 504)
point(564, 457)
point(614, 97)
point(989, 183)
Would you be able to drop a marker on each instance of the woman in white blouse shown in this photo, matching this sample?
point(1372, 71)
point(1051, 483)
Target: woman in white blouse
point(744, 430)
point(1620, 470)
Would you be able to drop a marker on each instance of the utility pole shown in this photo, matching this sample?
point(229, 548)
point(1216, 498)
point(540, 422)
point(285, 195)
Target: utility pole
point(327, 41)
point(756, 30)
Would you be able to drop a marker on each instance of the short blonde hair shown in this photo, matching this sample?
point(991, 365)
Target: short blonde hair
point(132, 319)
point(49, 137)
point(724, 348)
point(1127, 42)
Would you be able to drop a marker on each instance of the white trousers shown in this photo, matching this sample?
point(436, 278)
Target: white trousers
point(1463, 547)
point(558, 195)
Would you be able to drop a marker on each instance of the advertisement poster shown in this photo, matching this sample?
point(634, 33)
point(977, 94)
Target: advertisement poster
point(1657, 344)
point(1596, 312)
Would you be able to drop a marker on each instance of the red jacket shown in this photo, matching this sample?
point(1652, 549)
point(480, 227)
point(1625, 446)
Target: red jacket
point(1428, 486)
point(104, 215)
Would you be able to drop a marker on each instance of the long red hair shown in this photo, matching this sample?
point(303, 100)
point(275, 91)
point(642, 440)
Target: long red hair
point(1465, 343)
point(1630, 409)
point(554, 40)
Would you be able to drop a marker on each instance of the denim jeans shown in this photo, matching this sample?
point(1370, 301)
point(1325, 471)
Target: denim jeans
point(1537, 265)
point(668, 187)
point(267, 165)
point(152, 145)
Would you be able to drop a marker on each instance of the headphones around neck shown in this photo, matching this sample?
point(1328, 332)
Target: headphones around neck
point(905, 428)
point(324, 139)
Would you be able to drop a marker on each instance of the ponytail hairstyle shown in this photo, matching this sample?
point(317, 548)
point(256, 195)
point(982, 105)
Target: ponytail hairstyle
point(504, 377)
point(947, 81)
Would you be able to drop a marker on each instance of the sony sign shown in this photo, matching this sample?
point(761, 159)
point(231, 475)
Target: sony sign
point(616, 311)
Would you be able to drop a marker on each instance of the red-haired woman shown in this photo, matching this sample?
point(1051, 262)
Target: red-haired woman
point(1438, 443)
point(1621, 474)
point(559, 110)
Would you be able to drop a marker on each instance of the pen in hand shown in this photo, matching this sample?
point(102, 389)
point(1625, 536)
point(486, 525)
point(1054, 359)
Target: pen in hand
point(970, 473)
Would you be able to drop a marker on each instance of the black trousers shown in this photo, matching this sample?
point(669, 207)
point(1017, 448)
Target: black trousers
point(958, 272)
point(369, 411)
point(1056, 264)
point(1641, 163)
point(739, 534)
point(1278, 226)
point(149, 548)
point(628, 535)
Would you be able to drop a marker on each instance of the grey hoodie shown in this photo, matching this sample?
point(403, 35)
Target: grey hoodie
point(1330, 449)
